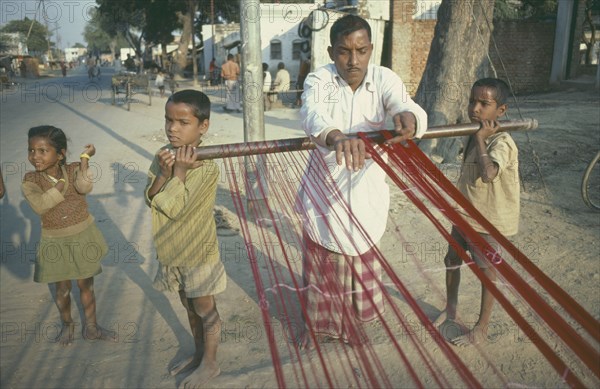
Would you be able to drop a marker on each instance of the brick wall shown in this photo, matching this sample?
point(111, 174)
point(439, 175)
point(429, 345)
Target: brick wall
point(525, 48)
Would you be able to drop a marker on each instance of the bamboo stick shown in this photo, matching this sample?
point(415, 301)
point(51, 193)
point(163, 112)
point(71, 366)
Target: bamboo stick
point(297, 144)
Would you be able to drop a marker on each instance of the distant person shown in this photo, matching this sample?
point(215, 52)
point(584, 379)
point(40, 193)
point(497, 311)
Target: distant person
point(302, 73)
point(489, 179)
point(159, 82)
point(282, 79)
point(181, 193)
point(230, 71)
point(93, 68)
point(266, 86)
point(1, 185)
point(173, 85)
point(129, 64)
point(212, 71)
point(23, 69)
point(63, 68)
point(71, 246)
point(117, 64)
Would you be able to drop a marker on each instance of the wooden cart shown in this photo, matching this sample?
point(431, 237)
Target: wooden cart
point(132, 85)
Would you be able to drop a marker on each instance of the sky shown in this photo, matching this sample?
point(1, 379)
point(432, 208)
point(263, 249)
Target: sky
point(68, 17)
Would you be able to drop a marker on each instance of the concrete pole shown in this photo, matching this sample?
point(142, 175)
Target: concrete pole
point(562, 36)
point(252, 101)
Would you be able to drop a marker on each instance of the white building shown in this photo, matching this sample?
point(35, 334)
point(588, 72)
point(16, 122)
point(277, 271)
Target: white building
point(281, 40)
point(15, 44)
point(73, 53)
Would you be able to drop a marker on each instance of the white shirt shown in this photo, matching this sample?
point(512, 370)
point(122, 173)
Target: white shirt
point(334, 217)
point(282, 81)
point(160, 80)
point(267, 82)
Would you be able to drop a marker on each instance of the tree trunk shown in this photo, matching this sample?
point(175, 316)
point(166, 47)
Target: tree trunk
point(180, 55)
point(457, 58)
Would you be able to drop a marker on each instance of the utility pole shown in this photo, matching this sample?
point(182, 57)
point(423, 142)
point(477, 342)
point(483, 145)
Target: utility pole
point(48, 30)
point(192, 11)
point(252, 100)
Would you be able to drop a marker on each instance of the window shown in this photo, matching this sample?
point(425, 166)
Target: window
point(296, 49)
point(275, 49)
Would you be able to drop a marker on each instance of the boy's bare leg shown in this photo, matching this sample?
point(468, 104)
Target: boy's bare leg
point(63, 303)
point(91, 330)
point(206, 308)
point(192, 361)
point(452, 284)
point(479, 332)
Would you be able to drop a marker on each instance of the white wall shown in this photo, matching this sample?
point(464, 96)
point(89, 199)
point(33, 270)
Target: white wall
point(281, 21)
point(278, 21)
point(73, 53)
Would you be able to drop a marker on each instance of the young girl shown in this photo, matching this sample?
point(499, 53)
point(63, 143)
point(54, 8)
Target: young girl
point(71, 245)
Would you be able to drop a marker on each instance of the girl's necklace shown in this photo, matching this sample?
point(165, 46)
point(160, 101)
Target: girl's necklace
point(52, 179)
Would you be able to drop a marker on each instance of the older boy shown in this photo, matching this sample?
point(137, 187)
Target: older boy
point(489, 179)
point(181, 192)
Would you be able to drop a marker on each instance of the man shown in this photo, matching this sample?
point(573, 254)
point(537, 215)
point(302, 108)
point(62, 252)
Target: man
point(130, 64)
point(282, 79)
point(230, 72)
point(346, 209)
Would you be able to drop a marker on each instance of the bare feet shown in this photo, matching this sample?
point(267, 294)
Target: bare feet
point(199, 377)
point(67, 334)
point(95, 332)
point(476, 336)
point(440, 319)
point(185, 365)
point(304, 340)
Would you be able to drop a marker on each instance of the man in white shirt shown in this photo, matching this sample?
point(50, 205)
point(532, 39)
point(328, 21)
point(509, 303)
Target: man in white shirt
point(344, 197)
point(282, 79)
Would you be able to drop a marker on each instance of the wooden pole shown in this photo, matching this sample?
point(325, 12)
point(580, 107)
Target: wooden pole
point(297, 144)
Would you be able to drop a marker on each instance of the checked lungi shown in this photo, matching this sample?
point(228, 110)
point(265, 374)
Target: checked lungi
point(335, 300)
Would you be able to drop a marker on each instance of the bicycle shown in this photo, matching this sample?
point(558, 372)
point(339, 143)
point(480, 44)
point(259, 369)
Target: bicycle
point(590, 184)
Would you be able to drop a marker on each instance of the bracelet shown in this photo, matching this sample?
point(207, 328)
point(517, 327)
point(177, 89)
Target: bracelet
point(61, 179)
point(84, 155)
point(483, 155)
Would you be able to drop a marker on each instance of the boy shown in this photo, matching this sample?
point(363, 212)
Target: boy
point(181, 192)
point(489, 179)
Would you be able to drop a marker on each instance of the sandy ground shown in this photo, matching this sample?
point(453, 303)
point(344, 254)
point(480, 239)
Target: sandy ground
point(558, 233)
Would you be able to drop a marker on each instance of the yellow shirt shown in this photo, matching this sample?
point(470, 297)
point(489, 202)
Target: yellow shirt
point(499, 200)
point(183, 224)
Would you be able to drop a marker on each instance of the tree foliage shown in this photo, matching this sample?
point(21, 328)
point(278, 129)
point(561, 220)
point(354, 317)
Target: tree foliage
point(150, 22)
point(38, 38)
point(5, 42)
point(97, 39)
